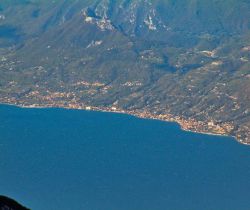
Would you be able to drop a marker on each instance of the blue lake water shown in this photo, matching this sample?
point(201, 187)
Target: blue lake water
point(57, 159)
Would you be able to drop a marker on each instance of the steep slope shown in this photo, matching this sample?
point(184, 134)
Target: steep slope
point(186, 61)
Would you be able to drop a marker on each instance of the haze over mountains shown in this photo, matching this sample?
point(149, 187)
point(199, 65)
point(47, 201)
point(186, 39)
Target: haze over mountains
point(186, 58)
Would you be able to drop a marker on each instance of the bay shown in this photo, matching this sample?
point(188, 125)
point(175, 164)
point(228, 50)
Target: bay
point(59, 159)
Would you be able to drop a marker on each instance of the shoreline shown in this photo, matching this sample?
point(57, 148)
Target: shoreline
point(140, 115)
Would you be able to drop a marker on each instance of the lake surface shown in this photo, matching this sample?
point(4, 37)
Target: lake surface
point(57, 159)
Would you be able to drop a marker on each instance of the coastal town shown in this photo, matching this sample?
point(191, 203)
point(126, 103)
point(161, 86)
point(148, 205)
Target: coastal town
point(70, 101)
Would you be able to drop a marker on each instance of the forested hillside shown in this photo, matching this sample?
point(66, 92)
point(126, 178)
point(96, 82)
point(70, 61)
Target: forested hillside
point(181, 60)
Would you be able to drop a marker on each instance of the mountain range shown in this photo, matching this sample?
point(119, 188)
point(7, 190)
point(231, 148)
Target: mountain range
point(181, 60)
